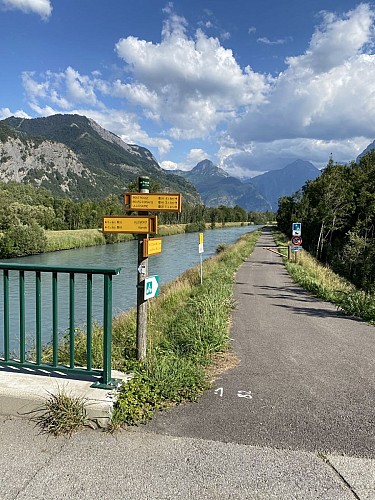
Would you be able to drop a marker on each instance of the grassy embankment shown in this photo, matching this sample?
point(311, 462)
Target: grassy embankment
point(79, 238)
point(188, 338)
point(321, 281)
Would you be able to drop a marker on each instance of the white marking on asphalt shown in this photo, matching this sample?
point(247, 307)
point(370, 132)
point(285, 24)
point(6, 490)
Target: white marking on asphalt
point(245, 394)
point(219, 391)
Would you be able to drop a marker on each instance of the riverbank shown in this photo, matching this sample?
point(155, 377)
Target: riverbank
point(80, 238)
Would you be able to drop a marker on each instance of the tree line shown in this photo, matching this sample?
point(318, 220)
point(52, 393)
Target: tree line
point(26, 212)
point(337, 211)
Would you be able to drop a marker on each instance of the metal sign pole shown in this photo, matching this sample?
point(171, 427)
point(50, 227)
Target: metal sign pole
point(143, 187)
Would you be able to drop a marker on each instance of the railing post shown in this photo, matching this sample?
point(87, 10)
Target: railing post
point(107, 329)
point(55, 321)
point(6, 314)
point(22, 316)
point(89, 323)
point(71, 320)
point(38, 317)
point(106, 381)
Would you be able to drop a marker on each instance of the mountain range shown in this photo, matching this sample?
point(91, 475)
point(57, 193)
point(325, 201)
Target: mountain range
point(261, 193)
point(72, 155)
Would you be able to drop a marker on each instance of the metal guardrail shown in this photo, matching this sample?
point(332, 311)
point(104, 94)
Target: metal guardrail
point(105, 375)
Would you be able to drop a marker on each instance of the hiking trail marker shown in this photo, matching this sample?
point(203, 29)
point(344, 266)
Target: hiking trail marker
point(143, 225)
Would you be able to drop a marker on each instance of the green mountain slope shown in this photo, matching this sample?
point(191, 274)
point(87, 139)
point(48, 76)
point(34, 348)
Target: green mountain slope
point(100, 162)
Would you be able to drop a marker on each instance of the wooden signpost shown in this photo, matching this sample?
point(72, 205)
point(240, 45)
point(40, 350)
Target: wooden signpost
point(143, 225)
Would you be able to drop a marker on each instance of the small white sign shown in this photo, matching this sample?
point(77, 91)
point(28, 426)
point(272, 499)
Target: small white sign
point(151, 287)
point(296, 229)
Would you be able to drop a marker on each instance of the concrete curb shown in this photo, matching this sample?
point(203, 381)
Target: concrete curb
point(23, 392)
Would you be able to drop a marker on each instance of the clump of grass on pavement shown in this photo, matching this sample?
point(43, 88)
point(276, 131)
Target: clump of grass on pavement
point(61, 414)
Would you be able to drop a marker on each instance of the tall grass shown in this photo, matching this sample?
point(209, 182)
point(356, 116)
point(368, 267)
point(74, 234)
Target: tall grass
point(325, 284)
point(79, 238)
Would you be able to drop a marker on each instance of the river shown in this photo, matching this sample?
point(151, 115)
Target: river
point(179, 252)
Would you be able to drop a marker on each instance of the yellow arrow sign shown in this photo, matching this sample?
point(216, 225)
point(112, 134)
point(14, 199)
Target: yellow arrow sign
point(136, 224)
point(151, 247)
point(158, 202)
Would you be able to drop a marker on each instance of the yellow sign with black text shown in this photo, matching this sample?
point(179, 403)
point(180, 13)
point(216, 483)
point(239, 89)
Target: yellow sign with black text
point(135, 224)
point(156, 202)
point(151, 246)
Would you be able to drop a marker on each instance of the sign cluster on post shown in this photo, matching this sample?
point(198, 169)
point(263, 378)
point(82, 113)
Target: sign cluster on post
point(143, 225)
point(296, 237)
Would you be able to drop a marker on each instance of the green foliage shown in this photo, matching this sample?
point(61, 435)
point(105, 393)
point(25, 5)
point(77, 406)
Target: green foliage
point(22, 240)
point(337, 212)
point(137, 402)
point(195, 227)
point(221, 247)
point(359, 304)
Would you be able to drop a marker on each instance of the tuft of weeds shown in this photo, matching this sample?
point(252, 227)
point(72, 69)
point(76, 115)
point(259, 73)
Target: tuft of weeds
point(61, 414)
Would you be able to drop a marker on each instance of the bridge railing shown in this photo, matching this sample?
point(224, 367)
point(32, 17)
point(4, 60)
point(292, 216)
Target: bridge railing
point(21, 360)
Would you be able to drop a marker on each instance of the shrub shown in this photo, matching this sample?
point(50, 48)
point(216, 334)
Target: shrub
point(22, 240)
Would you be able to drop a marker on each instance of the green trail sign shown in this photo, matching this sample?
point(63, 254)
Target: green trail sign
point(151, 287)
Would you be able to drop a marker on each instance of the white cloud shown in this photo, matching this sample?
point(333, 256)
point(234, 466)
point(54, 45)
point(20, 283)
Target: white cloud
point(263, 156)
point(267, 41)
point(6, 113)
point(194, 84)
point(191, 87)
point(169, 165)
point(326, 93)
point(71, 92)
point(193, 157)
point(41, 7)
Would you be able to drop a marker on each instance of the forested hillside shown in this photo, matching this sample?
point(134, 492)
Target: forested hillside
point(337, 211)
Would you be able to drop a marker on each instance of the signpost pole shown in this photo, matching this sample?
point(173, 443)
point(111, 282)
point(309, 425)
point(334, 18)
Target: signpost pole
point(143, 187)
point(201, 255)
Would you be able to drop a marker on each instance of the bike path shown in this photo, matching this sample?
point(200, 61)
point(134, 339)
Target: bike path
point(306, 373)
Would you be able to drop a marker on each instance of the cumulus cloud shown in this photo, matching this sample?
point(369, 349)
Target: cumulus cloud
point(327, 93)
point(264, 156)
point(194, 84)
point(71, 92)
point(6, 113)
point(193, 157)
point(189, 87)
point(41, 7)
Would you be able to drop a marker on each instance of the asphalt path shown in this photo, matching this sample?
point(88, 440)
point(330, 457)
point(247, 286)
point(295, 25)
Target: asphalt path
point(306, 377)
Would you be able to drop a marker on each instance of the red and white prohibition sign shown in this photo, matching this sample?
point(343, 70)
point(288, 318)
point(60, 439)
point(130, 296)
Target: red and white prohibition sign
point(297, 240)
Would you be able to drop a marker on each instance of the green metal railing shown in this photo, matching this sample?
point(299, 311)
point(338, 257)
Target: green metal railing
point(106, 380)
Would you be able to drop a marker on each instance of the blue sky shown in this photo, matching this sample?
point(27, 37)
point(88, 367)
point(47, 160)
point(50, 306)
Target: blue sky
point(250, 84)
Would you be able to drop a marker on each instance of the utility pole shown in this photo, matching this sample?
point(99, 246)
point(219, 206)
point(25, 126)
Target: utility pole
point(143, 187)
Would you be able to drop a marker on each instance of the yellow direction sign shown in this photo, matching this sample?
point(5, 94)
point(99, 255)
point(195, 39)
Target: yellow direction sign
point(151, 247)
point(136, 224)
point(158, 202)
